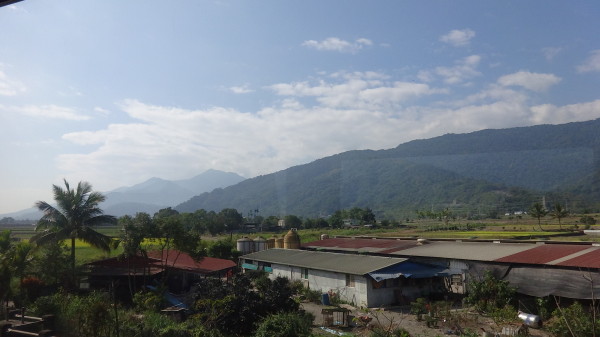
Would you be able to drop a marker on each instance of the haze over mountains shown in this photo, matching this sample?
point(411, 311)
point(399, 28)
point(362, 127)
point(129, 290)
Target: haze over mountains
point(153, 194)
point(481, 172)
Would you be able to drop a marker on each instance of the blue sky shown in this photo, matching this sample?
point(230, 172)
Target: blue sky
point(116, 92)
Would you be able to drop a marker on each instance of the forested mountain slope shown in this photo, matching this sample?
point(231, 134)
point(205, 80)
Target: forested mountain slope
point(488, 170)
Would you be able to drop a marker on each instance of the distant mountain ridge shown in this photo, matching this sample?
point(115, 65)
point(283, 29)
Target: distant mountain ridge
point(152, 194)
point(156, 193)
point(501, 170)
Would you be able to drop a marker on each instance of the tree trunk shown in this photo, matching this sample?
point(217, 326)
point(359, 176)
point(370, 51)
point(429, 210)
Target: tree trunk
point(73, 260)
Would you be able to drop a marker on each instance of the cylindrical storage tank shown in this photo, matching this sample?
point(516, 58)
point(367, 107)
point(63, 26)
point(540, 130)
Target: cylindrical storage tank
point(324, 236)
point(279, 243)
point(260, 243)
point(271, 242)
point(245, 245)
point(291, 240)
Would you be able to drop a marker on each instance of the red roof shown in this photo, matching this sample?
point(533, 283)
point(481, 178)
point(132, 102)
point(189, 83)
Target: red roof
point(180, 260)
point(587, 260)
point(385, 246)
point(543, 254)
point(132, 265)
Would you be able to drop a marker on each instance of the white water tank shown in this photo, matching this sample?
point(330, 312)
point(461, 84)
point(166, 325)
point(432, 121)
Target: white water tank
point(245, 245)
point(260, 243)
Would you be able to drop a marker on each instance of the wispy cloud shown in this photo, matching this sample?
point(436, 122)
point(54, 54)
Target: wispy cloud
point(458, 37)
point(356, 90)
point(8, 86)
point(462, 71)
point(243, 89)
point(592, 63)
point(551, 52)
point(47, 111)
point(339, 45)
point(531, 81)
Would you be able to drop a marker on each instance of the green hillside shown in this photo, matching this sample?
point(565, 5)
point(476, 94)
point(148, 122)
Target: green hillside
point(478, 173)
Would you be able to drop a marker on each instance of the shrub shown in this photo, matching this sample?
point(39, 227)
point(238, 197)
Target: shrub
point(490, 293)
point(572, 321)
point(286, 325)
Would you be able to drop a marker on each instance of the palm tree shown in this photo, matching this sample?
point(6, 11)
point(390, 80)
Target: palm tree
point(23, 255)
point(74, 216)
point(559, 212)
point(538, 211)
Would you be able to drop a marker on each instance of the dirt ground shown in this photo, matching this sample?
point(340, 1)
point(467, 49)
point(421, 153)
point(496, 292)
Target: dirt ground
point(400, 317)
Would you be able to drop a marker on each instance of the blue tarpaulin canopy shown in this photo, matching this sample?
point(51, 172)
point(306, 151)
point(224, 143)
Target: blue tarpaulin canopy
point(406, 269)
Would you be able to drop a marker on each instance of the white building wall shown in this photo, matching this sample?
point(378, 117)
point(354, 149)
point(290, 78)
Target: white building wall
point(326, 282)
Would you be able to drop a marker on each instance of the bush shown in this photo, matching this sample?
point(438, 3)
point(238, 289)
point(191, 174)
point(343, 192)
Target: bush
point(286, 325)
point(573, 320)
point(490, 293)
point(89, 315)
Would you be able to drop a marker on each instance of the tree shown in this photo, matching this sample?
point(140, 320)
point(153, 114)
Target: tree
point(21, 261)
point(231, 218)
point(538, 211)
point(368, 217)
point(75, 215)
point(292, 221)
point(558, 212)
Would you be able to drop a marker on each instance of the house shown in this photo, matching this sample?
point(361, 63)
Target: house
point(183, 269)
point(179, 268)
point(363, 280)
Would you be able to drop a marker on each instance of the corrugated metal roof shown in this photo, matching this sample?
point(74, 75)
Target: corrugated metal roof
point(558, 254)
point(474, 251)
point(181, 260)
point(336, 262)
point(543, 254)
point(588, 260)
point(382, 246)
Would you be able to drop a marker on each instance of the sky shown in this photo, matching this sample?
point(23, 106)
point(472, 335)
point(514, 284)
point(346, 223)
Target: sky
point(116, 92)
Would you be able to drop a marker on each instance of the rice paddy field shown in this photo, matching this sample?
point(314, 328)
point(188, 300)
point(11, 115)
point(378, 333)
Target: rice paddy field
point(515, 229)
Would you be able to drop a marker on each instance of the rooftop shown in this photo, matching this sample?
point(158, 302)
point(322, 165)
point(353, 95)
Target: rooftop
point(336, 262)
point(183, 261)
point(582, 255)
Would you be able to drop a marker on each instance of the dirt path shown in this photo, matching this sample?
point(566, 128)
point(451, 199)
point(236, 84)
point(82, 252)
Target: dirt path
point(400, 318)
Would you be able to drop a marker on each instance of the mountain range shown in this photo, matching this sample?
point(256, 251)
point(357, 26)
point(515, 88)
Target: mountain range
point(152, 194)
point(482, 173)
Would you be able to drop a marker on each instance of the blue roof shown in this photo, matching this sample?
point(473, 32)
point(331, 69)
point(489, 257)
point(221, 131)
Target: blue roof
point(406, 269)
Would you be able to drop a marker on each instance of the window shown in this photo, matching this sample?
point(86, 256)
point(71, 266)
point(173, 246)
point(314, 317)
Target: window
point(305, 273)
point(456, 280)
point(349, 280)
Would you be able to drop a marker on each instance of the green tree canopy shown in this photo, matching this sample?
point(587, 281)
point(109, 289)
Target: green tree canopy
point(77, 211)
point(538, 211)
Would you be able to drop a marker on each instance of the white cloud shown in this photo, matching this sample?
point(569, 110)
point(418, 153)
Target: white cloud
point(47, 111)
point(337, 44)
point(551, 114)
point(458, 37)
point(348, 111)
point(367, 90)
point(532, 81)
point(102, 111)
point(592, 63)
point(8, 86)
point(243, 89)
point(462, 71)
